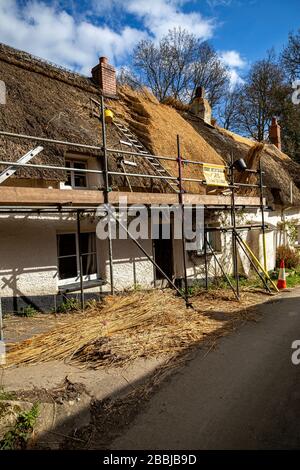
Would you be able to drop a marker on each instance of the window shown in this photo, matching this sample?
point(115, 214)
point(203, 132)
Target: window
point(67, 255)
point(69, 259)
point(214, 239)
point(76, 179)
point(88, 253)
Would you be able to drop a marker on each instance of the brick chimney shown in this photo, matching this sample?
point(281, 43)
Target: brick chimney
point(200, 106)
point(275, 133)
point(104, 75)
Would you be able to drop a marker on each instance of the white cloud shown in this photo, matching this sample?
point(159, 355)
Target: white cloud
point(235, 63)
point(232, 59)
point(217, 3)
point(159, 16)
point(235, 78)
point(76, 41)
point(54, 34)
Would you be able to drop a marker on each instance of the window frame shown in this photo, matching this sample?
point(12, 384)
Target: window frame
point(86, 277)
point(201, 251)
point(73, 162)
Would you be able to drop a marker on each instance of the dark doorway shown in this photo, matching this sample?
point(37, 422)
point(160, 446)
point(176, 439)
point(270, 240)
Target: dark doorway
point(163, 255)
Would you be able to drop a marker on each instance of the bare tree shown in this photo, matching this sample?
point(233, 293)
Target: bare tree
point(182, 49)
point(125, 76)
point(291, 56)
point(209, 72)
point(157, 67)
point(229, 109)
point(290, 129)
point(178, 64)
point(290, 112)
point(261, 97)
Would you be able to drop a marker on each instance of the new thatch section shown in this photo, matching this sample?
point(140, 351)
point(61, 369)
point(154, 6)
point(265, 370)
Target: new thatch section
point(157, 126)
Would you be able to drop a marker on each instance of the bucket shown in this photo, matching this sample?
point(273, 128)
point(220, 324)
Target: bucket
point(109, 116)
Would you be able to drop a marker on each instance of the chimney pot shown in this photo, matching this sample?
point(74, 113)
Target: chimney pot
point(275, 133)
point(103, 60)
point(200, 92)
point(200, 105)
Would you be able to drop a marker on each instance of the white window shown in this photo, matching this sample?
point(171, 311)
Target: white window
point(76, 179)
point(69, 260)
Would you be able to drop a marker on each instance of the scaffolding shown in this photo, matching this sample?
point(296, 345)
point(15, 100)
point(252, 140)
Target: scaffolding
point(177, 181)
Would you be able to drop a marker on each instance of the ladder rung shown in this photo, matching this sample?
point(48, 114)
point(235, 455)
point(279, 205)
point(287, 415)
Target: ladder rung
point(128, 162)
point(126, 143)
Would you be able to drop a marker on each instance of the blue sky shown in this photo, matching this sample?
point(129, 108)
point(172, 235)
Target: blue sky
point(74, 33)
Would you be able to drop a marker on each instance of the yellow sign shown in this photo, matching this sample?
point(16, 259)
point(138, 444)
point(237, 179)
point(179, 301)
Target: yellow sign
point(215, 175)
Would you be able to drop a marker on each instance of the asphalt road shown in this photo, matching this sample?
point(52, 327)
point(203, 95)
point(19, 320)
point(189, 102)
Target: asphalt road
point(243, 395)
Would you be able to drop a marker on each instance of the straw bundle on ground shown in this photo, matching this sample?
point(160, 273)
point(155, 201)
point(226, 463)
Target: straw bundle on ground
point(123, 328)
point(100, 321)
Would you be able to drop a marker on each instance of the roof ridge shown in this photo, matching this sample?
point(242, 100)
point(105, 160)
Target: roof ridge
point(44, 66)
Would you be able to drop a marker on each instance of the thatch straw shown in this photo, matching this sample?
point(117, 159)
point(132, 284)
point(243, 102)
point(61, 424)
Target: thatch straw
point(46, 102)
point(157, 125)
point(123, 328)
point(279, 169)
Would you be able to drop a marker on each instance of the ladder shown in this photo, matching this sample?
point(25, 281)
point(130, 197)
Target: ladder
point(9, 171)
point(138, 147)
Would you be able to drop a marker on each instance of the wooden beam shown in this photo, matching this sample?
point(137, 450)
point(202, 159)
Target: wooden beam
point(144, 198)
point(172, 198)
point(20, 196)
point(215, 200)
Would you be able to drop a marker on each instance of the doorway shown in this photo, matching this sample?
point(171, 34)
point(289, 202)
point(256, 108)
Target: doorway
point(163, 256)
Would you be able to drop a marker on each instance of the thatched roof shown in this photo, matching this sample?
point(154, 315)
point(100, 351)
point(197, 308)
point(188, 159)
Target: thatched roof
point(47, 101)
point(280, 171)
point(157, 126)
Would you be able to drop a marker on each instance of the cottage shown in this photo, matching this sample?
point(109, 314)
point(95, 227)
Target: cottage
point(48, 205)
